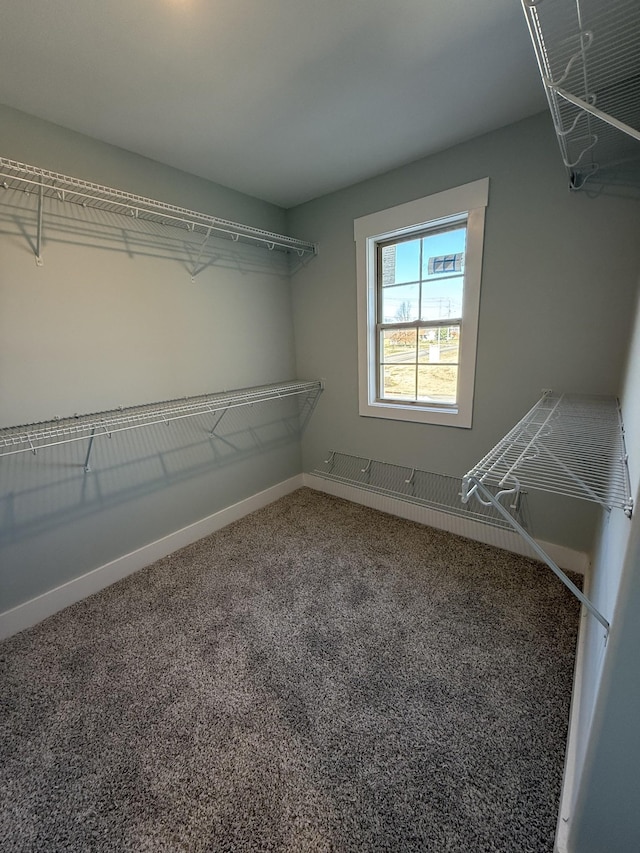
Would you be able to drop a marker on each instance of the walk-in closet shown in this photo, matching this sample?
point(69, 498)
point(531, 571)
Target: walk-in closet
point(319, 426)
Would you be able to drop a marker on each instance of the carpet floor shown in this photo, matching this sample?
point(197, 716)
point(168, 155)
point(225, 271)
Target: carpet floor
point(317, 676)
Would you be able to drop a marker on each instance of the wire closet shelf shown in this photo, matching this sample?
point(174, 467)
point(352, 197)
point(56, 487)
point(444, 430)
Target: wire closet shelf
point(566, 445)
point(63, 188)
point(587, 53)
point(34, 437)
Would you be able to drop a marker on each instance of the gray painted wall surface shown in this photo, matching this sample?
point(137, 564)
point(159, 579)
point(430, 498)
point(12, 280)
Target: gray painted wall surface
point(556, 303)
point(113, 319)
point(606, 815)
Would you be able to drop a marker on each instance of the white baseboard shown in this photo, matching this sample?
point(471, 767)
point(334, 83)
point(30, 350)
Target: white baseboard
point(566, 558)
point(568, 791)
point(36, 609)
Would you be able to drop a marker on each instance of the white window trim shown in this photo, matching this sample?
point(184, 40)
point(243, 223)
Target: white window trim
point(470, 199)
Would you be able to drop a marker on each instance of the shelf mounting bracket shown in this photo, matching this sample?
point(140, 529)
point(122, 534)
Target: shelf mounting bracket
point(196, 268)
point(87, 467)
point(478, 487)
point(217, 423)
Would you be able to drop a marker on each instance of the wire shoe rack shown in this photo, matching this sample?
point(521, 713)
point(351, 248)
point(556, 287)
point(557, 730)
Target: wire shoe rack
point(83, 194)
point(413, 485)
point(35, 437)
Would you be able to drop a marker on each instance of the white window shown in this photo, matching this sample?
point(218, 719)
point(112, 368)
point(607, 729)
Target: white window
point(419, 267)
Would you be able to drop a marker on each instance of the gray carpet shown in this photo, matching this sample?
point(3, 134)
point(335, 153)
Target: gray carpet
point(316, 677)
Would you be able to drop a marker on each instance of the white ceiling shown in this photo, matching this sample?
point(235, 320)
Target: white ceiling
point(283, 99)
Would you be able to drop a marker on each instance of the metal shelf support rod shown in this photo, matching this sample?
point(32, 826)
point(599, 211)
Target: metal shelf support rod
point(479, 487)
point(39, 234)
point(594, 111)
point(196, 268)
point(217, 423)
point(87, 467)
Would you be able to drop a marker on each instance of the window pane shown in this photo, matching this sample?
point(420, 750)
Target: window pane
point(400, 304)
point(398, 346)
point(401, 263)
point(439, 251)
point(439, 345)
point(442, 298)
point(437, 384)
point(398, 382)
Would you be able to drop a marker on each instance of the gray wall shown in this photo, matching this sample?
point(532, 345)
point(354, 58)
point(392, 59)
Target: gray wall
point(111, 319)
point(557, 296)
point(605, 815)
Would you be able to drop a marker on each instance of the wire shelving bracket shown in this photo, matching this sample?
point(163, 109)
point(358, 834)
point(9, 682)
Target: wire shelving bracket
point(566, 445)
point(587, 53)
point(83, 194)
point(34, 437)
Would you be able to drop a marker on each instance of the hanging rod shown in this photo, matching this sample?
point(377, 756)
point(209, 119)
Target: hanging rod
point(63, 188)
point(34, 437)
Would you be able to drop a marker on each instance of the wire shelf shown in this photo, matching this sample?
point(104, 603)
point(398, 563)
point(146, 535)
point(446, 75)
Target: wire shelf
point(587, 53)
point(435, 491)
point(566, 445)
point(63, 188)
point(34, 437)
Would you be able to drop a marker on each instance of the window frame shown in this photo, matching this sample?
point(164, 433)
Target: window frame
point(440, 209)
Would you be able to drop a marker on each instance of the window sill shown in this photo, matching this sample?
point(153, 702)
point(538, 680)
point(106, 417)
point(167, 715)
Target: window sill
point(449, 416)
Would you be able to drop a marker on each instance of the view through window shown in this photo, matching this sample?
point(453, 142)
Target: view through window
point(419, 315)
